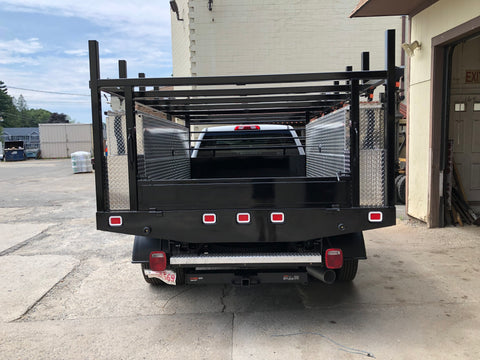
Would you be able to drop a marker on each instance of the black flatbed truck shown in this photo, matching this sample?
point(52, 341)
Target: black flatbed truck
point(187, 229)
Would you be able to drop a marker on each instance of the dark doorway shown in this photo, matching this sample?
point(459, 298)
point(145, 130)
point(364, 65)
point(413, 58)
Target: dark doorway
point(443, 72)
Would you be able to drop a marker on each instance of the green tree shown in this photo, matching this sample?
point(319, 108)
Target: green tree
point(21, 103)
point(22, 107)
point(58, 118)
point(38, 116)
point(30, 117)
point(8, 112)
point(16, 113)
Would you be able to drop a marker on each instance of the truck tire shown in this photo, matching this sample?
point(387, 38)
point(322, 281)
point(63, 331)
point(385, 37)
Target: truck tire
point(152, 281)
point(397, 181)
point(180, 276)
point(348, 271)
point(401, 189)
point(158, 282)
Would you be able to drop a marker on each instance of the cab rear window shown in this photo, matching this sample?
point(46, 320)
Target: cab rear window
point(247, 143)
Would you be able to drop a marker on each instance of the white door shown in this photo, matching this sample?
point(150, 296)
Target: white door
point(465, 131)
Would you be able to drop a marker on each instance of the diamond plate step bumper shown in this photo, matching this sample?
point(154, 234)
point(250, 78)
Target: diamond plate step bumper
point(240, 259)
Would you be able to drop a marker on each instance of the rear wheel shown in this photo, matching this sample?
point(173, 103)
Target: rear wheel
point(153, 281)
point(348, 270)
point(401, 189)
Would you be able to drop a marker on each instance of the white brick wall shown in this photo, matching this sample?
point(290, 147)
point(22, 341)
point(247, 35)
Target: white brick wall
point(275, 36)
point(181, 41)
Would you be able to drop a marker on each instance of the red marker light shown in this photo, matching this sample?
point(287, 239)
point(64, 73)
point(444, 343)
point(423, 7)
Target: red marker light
point(209, 219)
point(277, 217)
point(247, 127)
point(115, 221)
point(158, 261)
point(243, 218)
point(334, 258)
point(375, 216)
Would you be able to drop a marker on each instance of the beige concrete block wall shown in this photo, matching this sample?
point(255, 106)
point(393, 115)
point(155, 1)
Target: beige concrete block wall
point(435, 20)
point(181, 42)
point(276, 36)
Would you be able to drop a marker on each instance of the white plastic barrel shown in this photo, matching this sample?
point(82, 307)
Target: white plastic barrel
point(81, 162)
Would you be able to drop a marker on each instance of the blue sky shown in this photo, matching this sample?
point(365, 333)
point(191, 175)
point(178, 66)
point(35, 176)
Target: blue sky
point(44, 46)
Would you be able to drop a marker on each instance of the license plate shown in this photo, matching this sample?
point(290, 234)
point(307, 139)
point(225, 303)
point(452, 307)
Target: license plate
point(167, 276)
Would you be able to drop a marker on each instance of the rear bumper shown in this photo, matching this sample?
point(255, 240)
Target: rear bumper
point(302, 224)
point(235, 278)
point(274, 277)
point(247, 259)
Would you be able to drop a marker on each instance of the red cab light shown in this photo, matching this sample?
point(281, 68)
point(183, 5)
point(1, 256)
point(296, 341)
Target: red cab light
point(209, 219)
point(115, 221)
point(158, 260)
point(277, 217)
point(334, 258)
point(243, 218)
point(375, 216)
point(247, 127)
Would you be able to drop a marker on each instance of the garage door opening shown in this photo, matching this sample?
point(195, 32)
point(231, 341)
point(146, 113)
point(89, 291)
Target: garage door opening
point(454, 73)
point(462, 165)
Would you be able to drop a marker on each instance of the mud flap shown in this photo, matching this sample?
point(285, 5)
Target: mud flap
point(352, 245)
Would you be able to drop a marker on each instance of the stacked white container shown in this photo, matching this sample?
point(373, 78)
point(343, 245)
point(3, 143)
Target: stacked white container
point(81, 162)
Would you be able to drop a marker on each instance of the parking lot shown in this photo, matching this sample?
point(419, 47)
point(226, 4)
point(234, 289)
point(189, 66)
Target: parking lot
point(68, 291)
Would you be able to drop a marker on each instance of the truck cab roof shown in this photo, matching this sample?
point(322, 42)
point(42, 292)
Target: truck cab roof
point(248, 127)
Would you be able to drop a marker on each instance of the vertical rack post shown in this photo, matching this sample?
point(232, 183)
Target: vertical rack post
point(122, 69)
point(390, 117)
point(348, 69)
point(141, 76)
point(131, 146)
point(187, 125)
point(354, 141)
point(96, 101)
point(365, 62)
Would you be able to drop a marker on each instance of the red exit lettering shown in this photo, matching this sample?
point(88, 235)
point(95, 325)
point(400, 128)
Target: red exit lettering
point(472, 76)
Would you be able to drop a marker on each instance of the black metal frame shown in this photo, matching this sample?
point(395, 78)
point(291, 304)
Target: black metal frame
point(280, 98)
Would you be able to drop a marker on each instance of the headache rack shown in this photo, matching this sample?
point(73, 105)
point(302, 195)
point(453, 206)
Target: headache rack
point(343, 162)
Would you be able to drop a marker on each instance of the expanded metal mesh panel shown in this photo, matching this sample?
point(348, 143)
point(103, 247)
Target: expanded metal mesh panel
point(328, 143)
point(372, 155)
point(117, 163)
point(116, 134)
point(166, 150)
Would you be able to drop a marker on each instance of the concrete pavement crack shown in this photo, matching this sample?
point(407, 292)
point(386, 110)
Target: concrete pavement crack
point(176, 295)
point(233, 334)
point(340, 347)
point(21, 317)
point(20, 245)
point(222, 298)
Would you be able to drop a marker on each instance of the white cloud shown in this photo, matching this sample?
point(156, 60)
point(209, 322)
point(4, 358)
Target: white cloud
point(78, 52)
point(138, 32)
point(19, 51)
point(17, 46)
point(133, 17)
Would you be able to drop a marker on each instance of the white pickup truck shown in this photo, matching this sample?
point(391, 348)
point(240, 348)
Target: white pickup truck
point(243, 139)
point(263, 150)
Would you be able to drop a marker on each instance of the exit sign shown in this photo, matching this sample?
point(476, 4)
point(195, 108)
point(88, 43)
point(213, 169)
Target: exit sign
point(472, 77)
